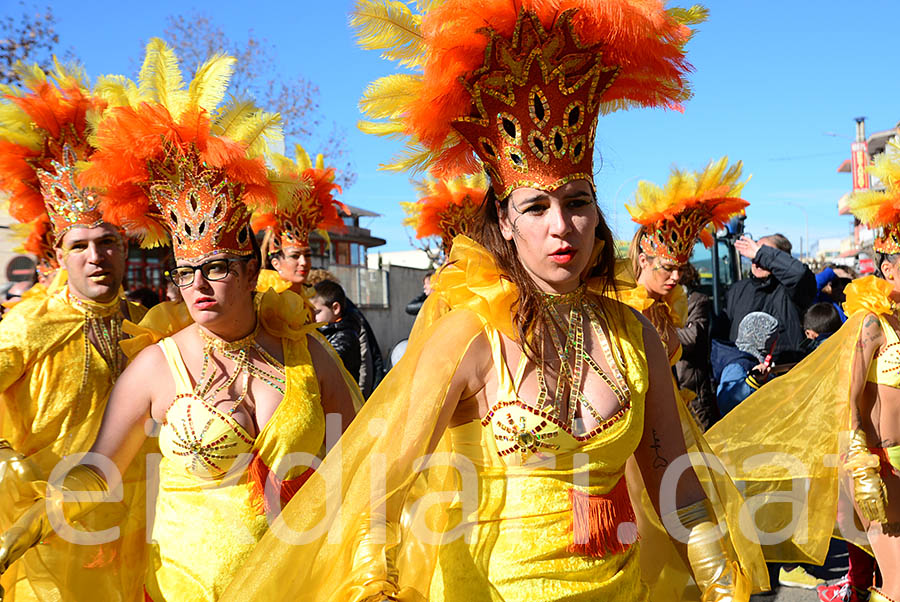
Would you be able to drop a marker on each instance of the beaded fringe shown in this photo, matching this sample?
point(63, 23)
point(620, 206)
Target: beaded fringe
point(602, 524)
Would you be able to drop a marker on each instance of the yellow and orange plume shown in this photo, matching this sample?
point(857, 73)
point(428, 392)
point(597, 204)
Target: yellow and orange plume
point(306, 202)
point(638, 42)
point(446, 207)
point(44, 131)
point(161, 145)
point(881, 209)
point(689, 206)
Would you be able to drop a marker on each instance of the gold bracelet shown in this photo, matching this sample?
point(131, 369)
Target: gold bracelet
point(692, 515)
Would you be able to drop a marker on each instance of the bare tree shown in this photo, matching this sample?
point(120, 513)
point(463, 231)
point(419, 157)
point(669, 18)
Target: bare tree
point(29, 37)
point(195, 37)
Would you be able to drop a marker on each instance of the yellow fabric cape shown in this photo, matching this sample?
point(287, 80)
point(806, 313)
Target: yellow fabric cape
point(783, 444)
point(51, 409)
point(383, 446)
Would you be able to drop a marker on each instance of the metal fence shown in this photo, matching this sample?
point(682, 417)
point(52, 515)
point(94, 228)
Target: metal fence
point(363, 286)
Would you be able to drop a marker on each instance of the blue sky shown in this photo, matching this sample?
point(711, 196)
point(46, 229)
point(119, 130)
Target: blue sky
point(771, 80)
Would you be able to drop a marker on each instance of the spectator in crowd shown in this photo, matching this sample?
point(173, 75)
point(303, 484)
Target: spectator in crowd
point(413, 307)
point(173, 293)
point(820, 321)
point(693, 370)
point(144, 296)
point(371, 368)
point(830, 284)
point(330, 304)
point(740, 369)
point(779, 285)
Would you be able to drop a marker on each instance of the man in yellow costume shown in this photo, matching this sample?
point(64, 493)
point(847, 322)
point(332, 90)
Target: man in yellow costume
point(59, 349)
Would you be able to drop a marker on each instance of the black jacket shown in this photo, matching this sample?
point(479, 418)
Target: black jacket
point(785, 294)
point(344, 337)
point(413, 307)
point(693, 371)
point(371, 362)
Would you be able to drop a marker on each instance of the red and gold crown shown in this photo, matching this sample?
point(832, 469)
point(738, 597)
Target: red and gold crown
point(43, 136)
point(306, 202)
point(690, 205)
point(881, 209)
point(519, 85)
point(446, 208)
point(173, 165)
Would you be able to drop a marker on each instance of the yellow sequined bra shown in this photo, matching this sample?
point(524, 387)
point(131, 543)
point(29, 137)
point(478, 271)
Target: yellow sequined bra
point(207, 442)
point(872, 295)
point(521, 430)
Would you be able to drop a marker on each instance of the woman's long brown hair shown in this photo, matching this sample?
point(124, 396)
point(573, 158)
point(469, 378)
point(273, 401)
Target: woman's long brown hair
point(530, 319)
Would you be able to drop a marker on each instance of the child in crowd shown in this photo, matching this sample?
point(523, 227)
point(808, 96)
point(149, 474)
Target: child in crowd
point(330, 303)
point(740, 369)
point(820, 321)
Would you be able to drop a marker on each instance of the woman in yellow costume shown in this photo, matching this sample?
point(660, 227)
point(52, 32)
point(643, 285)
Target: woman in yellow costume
point(489, 464)
point(835, 415)
point(671, 220)
point(242, 388)
point(446, 209)
point(309, 206)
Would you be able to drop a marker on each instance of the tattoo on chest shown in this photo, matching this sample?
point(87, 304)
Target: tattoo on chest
point(658, 461)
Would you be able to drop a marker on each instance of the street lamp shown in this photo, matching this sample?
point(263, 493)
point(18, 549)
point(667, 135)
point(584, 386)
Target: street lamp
point(805, 219)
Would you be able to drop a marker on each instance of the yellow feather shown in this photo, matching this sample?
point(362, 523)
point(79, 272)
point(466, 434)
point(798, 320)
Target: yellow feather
point(392, 27)
point(32, 75)
point(258, 132)
point(881, 208)
point(68, 74)
point(118, 91)
point(694, 15)
point(387, 97)
point(303, 160)
point(161, 76)
point(231, 116)
point(320, 161)
point(209, 84)
point(388, 129)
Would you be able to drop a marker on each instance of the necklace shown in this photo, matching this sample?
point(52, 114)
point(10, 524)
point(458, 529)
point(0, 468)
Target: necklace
point(237, 351)
point(105, 321)
point(572, 357)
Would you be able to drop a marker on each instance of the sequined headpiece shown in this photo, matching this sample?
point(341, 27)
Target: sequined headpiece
point(174, 166)
point(43, 136)
point(306, 202)
point(446, 208)
point(515, 88)
point(881, 209)
point(690, 205)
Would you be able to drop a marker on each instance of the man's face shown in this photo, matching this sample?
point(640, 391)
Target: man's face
point(755, 269)
point(95, 261)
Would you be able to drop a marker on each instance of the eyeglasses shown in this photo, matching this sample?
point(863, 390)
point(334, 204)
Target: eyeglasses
point(214, 269)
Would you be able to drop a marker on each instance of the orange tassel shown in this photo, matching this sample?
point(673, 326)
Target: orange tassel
point(260, 474)
point(602, 524)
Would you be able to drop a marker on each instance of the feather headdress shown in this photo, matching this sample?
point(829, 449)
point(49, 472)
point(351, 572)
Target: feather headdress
point(306, 202)
point(687, 208)
point(519, 85)
point(881, 209)
point(43, 138)
point(446, 208)
point(172, 162)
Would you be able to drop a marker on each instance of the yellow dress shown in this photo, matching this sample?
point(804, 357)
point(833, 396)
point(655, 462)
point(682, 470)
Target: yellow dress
point(51, 406)
point(531, 512)
point(540, 525)
point(218, 485)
